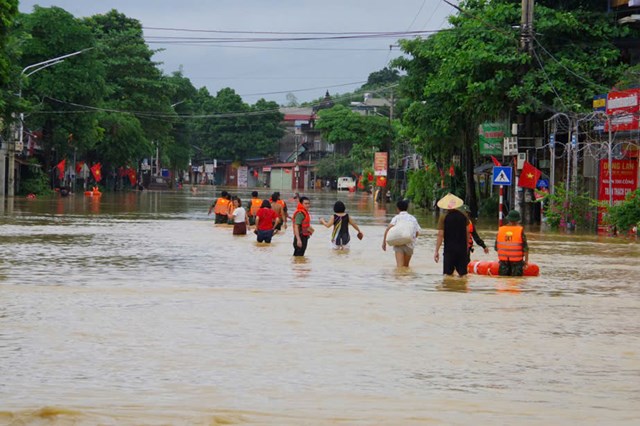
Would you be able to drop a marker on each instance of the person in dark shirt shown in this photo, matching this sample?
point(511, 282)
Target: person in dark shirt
point(454, 233)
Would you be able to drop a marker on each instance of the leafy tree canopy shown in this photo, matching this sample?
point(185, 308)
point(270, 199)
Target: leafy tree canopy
point(8, 12)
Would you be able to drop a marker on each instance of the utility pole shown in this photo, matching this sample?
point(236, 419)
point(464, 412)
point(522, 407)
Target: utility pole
point(526, 29)
point(525, 132)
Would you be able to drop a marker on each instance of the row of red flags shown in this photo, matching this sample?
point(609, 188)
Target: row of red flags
point(96, 170)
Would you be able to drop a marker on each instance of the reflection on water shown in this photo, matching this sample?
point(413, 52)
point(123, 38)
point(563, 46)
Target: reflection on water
point(135, 309)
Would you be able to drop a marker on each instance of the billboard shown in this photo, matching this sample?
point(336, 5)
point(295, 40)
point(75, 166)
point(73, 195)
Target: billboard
point(491, 137)
point(380, 163)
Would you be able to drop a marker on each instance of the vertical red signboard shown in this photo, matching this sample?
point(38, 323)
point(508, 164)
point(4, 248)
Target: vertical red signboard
point(624, 180)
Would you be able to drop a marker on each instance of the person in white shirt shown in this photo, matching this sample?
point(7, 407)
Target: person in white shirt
point(403, 252)
point(239, 217)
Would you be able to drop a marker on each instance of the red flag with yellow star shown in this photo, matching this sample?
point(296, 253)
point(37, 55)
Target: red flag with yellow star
point(96, 171)
point(529, 176)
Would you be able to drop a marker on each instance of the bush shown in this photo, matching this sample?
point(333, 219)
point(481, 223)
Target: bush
point(626, 215)
point(569, 210)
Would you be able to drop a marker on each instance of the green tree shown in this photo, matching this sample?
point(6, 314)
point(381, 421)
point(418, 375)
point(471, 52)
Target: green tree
point(184, 101)
point(355, 135)
point(235, 130)
point(137, 93)
point(475, 70)
point(8, 71)
point(55, 94)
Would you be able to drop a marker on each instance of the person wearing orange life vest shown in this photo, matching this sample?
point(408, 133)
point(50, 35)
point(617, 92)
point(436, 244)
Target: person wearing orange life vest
point(221, 207)
point(511, 245)
point(230, 208)
point(280, 208)
point(302, 228)
point(254, 205)
point(473, 233)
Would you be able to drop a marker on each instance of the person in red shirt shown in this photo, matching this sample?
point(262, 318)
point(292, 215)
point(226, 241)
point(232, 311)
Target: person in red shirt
point(266, 220)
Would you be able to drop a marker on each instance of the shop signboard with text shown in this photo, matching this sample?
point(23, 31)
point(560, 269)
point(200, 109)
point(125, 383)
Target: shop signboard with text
point(624, 179)
point(491, 137)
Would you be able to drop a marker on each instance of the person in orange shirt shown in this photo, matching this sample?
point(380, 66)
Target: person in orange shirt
point(512, 247)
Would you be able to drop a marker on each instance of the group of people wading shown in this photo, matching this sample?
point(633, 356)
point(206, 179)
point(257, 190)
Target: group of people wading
point(271, 216)
point(455, 230)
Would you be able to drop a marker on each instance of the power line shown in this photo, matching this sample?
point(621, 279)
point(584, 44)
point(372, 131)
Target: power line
point(591, 82)
point(161, 115)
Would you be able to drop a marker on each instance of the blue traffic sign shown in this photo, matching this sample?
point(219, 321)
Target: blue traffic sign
point(543, 183)
point(502, 175)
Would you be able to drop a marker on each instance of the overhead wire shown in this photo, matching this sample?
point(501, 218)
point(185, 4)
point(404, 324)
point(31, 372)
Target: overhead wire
point(591, 82)
point(535, 54)
point(160, 115)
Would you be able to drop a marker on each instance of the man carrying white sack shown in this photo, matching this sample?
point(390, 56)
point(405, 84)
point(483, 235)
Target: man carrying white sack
point(402, 232)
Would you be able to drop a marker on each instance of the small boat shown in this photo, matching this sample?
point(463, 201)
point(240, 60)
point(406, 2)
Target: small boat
point(481, 267)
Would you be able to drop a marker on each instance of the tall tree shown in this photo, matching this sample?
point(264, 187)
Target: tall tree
point(58, 91)
point(8, 72)
point(136, 87)
point(237, 131)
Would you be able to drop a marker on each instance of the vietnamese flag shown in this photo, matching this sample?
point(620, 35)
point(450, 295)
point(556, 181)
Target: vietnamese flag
point(381, 181)
point(452, 171)
point(360, 182)
point(61, 165)
point(79, 166)
point(96, 172)
point(529, 176)
point(496, 162)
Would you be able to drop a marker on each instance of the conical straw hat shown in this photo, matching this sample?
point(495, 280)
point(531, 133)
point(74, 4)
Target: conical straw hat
point(450, 201)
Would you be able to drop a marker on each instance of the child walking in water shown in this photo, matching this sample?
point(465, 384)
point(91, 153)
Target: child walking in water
point(340, 221)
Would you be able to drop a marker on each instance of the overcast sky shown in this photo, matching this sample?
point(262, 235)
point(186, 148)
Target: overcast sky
point(270, 69)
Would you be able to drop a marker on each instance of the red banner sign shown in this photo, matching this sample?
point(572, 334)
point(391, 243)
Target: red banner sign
point(624, 179)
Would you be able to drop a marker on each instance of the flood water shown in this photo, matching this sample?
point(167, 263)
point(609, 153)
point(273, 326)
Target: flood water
point(134, 309)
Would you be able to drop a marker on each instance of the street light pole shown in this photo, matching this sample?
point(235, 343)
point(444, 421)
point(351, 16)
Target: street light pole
point(33, 68)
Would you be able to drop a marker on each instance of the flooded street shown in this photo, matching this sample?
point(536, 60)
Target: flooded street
point(134, 309)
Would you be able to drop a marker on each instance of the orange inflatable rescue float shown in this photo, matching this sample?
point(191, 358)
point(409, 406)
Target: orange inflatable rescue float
point(95, 192)
point(491, 268)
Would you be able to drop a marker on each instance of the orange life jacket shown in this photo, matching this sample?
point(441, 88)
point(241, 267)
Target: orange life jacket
point(510, 244)
point(256, 203)
point(470, 228)
point(306, 221)
point(222, 206)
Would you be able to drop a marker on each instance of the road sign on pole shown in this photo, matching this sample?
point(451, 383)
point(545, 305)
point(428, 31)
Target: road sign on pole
point(502, 175)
